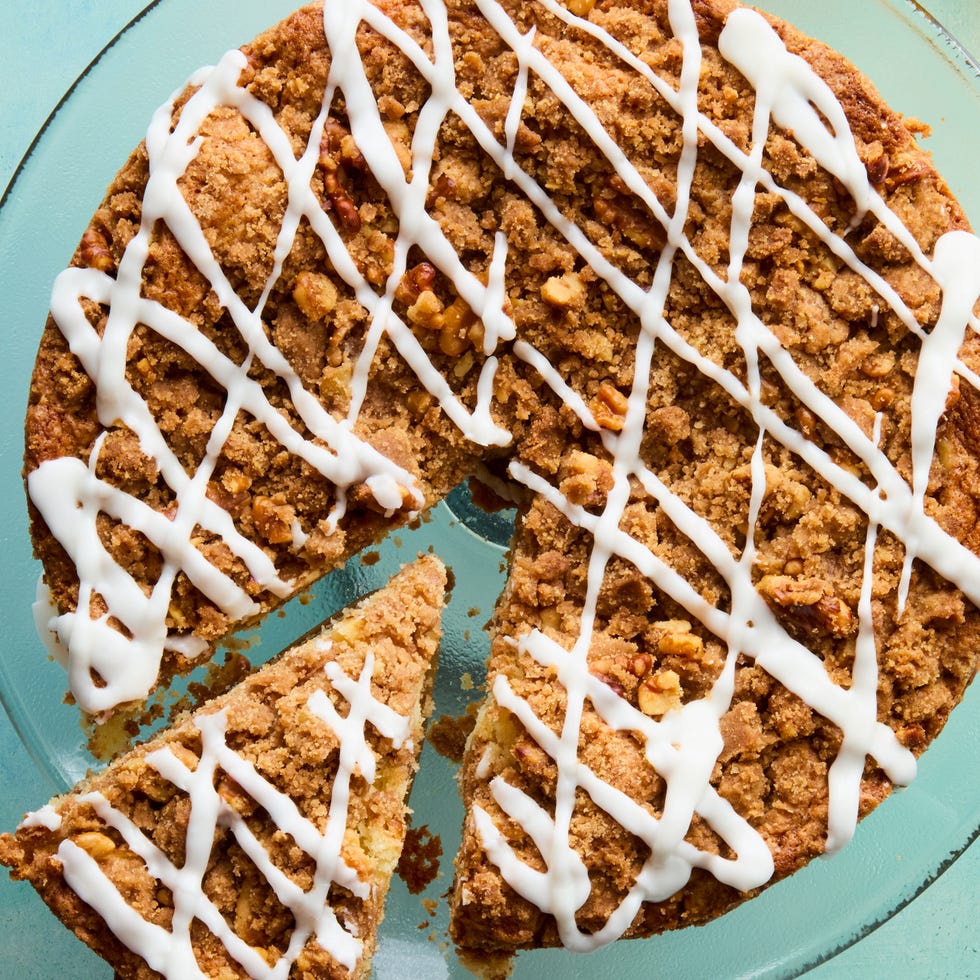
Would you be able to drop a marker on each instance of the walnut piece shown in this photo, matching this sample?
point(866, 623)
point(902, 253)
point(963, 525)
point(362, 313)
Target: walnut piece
point(95, 252)
point(315, 295)
point(809, 604)
point(659, 693)
point(96, 845)
point(273, 518)
point(609, 407)
point(585, 479)
point(564, 292)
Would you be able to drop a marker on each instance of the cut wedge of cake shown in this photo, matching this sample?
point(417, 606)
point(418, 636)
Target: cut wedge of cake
point(258, 837)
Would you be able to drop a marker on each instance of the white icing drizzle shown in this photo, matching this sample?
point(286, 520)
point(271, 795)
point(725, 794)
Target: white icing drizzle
point(684, 745)
point(170, 951)
point(44, 612)
point(47, 817)
point(791, 95)
point(300, 537)
point(956, 268)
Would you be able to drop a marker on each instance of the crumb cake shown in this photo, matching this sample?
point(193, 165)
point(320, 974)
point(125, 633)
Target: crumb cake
point(670, 278)
point(258, 837)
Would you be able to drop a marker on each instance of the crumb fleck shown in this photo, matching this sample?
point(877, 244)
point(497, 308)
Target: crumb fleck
point(418, 865)
point(448, 734)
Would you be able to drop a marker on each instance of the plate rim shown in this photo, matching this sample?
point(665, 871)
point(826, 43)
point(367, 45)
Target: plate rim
point(931, 29)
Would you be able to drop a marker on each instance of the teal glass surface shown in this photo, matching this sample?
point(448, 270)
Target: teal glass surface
point(794, 925)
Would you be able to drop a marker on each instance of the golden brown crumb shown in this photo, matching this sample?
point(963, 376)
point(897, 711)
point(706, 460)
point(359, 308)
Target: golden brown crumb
point(448, 734)
point(418, 865)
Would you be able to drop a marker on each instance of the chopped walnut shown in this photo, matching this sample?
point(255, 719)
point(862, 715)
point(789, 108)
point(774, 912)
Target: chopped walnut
point(606, 671)
point(339, 152)
point(664, 626)
point(95, 252)
point(401, 141)
point(176, 617)
point(426, 312)
point(442, 189)
point(464, 365)
point(235, 796)
point(273, 518)
point(417, 280)
point(314, 294)
point(673, 638)
point(361, 495)
point(378, 268)
point(419, 401)
point(909, 170)
point(335, 386)
point(341, 203)
point(807, 421)
point(809, 604)
point(882, 398)
point(96, 845)
point(618, 664)
point(530, 757)
point(564, 292)
point(609, 407)
point(338, 145)
point(458, 326)
point(235, 481)
point(786, 499)
point(450, 341)
point(878, 365)
point(873, 156)
point(585, 479)
point(687, 645)
point(660, 693)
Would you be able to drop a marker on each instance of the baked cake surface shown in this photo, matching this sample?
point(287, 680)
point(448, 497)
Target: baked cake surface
point(673, 279)
point(258, 837)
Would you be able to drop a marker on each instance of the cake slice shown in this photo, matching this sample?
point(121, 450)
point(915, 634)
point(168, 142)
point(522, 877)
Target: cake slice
point(259, 835)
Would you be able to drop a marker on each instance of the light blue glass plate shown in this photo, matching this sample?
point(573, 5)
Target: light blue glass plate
point(898, 850)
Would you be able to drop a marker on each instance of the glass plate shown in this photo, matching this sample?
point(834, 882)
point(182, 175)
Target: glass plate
point(898, 850)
